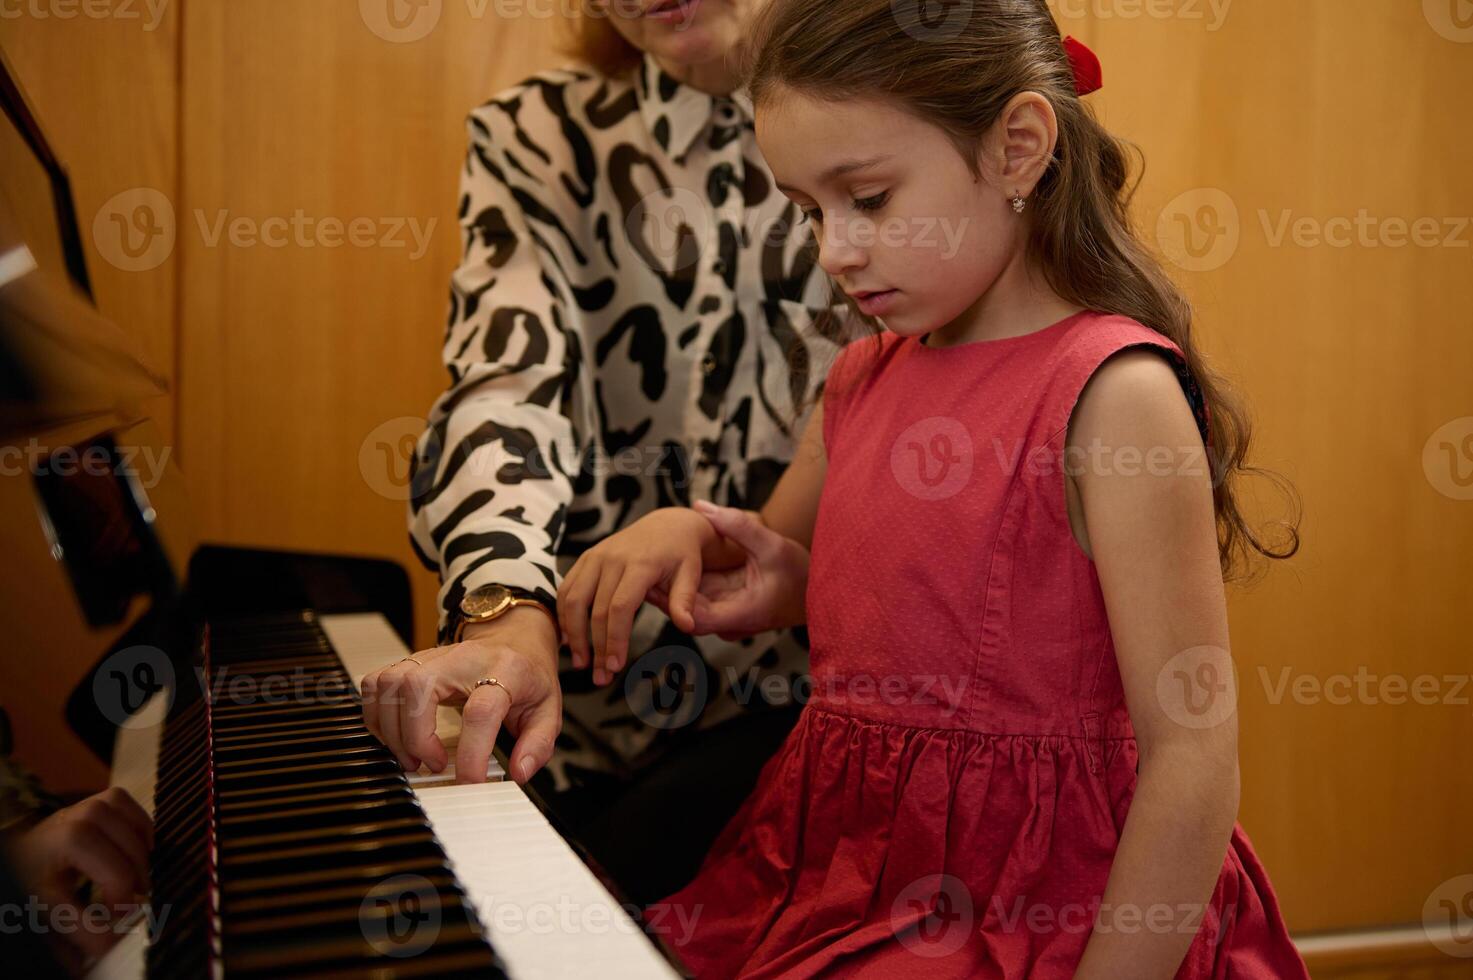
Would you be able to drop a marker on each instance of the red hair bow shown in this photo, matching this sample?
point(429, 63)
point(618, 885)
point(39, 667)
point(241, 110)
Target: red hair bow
point(1087, 74)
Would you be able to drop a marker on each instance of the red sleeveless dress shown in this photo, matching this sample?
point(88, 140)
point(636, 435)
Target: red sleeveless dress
point(952, 796)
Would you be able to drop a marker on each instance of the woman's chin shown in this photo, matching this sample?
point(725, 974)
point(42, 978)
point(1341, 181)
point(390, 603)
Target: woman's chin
point(696, 44)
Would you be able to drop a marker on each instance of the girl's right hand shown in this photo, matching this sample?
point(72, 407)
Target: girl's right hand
point(610, 581)
point(767, 592)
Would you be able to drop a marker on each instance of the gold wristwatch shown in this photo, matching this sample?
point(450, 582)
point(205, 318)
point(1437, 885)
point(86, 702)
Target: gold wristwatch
point(488, 602)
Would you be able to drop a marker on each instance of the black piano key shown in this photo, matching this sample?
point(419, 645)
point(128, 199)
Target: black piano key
point(280, 819)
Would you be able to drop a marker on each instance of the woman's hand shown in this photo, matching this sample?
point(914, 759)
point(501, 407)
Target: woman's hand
point(766, 592)
point(667, 549)
point(519, 649)
point(105, 839)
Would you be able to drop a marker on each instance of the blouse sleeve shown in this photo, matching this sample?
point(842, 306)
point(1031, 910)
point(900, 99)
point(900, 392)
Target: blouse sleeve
point(493, 470)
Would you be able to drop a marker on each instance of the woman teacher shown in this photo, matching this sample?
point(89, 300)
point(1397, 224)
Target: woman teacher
point(636, 322)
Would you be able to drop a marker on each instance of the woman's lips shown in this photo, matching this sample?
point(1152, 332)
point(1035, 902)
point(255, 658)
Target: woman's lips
point(876, 304)
point(676, 10)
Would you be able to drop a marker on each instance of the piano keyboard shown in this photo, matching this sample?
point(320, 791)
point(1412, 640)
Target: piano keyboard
point(545, 912)
point(337, 872)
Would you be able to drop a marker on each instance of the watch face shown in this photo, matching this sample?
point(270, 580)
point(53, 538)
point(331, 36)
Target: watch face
point(485, 602)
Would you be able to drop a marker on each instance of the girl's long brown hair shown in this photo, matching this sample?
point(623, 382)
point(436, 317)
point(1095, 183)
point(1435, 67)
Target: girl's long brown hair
point(957, 71)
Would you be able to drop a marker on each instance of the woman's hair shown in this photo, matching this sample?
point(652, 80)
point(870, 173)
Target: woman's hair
point(958, 73)
point(588, 34)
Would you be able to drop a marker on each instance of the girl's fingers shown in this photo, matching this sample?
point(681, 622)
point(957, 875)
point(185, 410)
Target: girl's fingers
point(573, 611)
point(714, 585)
point(623, 606)
point(564, 599)
point(598, 623)
point(741, 526)
point(683, 594)
point(659, 598)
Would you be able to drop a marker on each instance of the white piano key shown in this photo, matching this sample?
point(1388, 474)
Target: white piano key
point(135, 769)
point(546, 914)
point(136, 750)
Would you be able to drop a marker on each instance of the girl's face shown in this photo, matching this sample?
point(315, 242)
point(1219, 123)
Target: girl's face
point(678, 32)
point(896, 211)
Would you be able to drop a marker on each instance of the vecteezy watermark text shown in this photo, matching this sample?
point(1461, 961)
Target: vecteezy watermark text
point(144, 462)
point(149, 12)
point(136, 230)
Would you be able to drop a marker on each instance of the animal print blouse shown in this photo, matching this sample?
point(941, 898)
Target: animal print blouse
point(632, 293)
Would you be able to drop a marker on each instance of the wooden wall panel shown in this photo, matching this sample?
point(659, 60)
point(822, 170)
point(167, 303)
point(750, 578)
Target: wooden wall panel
point(105, 92)
point(294, 359)
point(1352, 358)
point(105, 89)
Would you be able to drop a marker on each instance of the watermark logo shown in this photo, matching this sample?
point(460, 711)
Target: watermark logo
point(933, 459)
point(386, 460)
point(1200, 229)
point(400, 21)
point(1447, 459)
point(135, 230)
point(667, 687)
point(1452, 19)
point(149, 12)
point(146, 463)
point(671, 228)
point(127, 679)
point(400, 916)
point(945, 692)
point(386, 456)
point(1447, 917)
point(1198, 688)
point(932, 20)
point(1212, 13)
point(932, 916)
point(407, 21)
point(67, 919)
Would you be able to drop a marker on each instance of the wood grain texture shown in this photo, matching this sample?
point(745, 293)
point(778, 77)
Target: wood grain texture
point(307, 370)
point(1351, 358)
point(105, 92)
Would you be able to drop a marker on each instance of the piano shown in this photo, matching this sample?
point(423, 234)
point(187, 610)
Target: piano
point(288, 841)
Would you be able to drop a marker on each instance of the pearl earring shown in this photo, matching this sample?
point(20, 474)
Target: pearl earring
point(1019, 204)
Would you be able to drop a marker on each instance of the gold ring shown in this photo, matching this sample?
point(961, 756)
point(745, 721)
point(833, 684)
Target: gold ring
point(411, 659)
point(493, 681)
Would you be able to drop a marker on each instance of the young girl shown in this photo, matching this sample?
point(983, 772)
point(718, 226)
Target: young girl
point(1018, 753)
